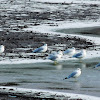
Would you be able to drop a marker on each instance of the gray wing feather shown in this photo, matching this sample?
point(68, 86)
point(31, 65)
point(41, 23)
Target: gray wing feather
point(38, 50)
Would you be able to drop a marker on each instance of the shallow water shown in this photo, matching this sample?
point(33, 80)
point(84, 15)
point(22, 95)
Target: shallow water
point(50, 77)
point(87, 31)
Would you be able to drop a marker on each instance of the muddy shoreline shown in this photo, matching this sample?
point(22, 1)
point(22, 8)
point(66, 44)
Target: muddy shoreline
point(15, 97)
point(17, 41)
point(14, 21)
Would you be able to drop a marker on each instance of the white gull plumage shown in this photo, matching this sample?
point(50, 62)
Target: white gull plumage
point(70, 51)
point(2, 48)
point(41, 49)
point(74, 74)
point(80, 55)
point(55, 56)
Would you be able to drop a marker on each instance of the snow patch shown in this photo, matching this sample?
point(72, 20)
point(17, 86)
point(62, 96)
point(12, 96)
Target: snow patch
point(71, 1)
point(45, 93)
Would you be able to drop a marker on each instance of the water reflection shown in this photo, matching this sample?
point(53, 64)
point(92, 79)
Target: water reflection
point(58, 66)
point(83, 65)
point(77, 85)
point(50, 76)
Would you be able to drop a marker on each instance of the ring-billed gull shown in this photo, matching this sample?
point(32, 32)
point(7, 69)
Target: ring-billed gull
point(80, 55)
point(55, 56)
point(70, 51)
point(98, 65)
point(74, 74)
point(41, 49)
point(2, 48)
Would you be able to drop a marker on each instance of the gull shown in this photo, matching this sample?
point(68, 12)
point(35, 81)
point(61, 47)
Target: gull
point(70, 51)
point(41, 49)
point(98, 65)
point(2, 48)
point(55, 56)
point(80, 55)
point(74, 74)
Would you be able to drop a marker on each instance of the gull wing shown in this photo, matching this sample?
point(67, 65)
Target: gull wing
point(38, 50)
point(97, 65)
point(78, 55)
point(67, 51)
point(53, 57)
point(72, 75)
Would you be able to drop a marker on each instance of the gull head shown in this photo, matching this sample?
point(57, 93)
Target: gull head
point(73, 48)
point(45, 44)
point(60, 53)
point(84, 50)
point(2, 45)
point(78, 69)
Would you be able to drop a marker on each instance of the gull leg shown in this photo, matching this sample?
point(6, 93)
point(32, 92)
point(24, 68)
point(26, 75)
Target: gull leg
point(80, 60)
point(55, 62)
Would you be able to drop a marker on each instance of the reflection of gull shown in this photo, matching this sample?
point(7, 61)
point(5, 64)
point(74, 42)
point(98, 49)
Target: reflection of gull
point(2, 48)
point(55, 56)
point(98, 65)
point(58, 67)
point(74, 74)
point(70, 51)
point(41, 49)
point(83, 65)
point(80, 55)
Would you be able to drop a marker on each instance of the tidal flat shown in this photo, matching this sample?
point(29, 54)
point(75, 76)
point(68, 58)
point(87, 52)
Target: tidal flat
point(16, 16)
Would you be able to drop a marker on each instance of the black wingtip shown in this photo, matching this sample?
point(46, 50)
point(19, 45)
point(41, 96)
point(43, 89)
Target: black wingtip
point(65, 78)
point(94, 67)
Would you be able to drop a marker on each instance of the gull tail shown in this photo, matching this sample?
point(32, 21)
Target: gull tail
point(65, 78)
point(94, 67)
